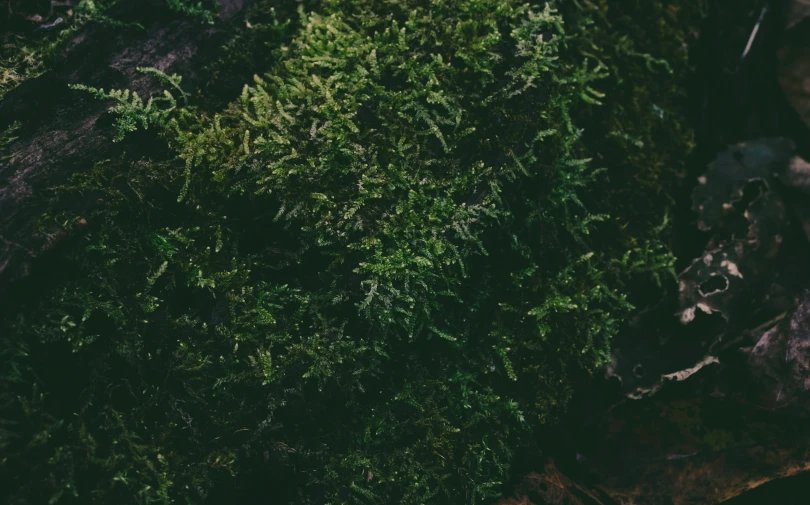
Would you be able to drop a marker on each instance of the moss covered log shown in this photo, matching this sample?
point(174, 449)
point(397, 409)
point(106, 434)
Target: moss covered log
point(369, 279)
point(33, 31)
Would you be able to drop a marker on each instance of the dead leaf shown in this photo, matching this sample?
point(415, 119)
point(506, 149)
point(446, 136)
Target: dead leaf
point(798, 348)
point(725, 179)
point(729, 276)
point(720, 290)
point(709, 478)
point(799, 10)
point(766, 364)
point(794, 77)
point(794, 61)
point(550, 487)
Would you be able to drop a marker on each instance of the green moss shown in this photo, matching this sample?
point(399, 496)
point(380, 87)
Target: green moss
point(203, 9)
point(251, 49)
point(372, 276)
point(6, 138)
point(27, 55)
point(24, 57)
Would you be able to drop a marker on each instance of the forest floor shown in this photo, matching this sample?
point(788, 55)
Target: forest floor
point(706, 398)
point(731, 423)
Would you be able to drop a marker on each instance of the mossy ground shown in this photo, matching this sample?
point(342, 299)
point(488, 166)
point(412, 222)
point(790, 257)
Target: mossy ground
point(27, 48)
point(368, 279)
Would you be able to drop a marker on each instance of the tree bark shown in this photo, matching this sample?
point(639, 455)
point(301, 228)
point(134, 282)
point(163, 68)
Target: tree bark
point(63, 132)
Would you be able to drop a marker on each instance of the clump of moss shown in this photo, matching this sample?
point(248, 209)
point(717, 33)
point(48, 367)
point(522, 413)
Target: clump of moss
point(27, 51)
point(369, 279)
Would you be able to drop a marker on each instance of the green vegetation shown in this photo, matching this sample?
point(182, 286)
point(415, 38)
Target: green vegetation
point(203, 9)
point(27, 53)
point(370, 278)
point(26, 56)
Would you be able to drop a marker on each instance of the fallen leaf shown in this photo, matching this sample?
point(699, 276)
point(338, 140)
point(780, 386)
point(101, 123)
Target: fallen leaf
point(799, 10)
point(709, 478)
point(720, 290)
point(794, 61)
point(797, 176)
point(798, 348)
point(725, 179)
point(766, 364)
point(550, 487)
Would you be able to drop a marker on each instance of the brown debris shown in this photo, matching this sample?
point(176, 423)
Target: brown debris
point(794, 59)
point(550, 487)
point(799, 11)
point(707, 479)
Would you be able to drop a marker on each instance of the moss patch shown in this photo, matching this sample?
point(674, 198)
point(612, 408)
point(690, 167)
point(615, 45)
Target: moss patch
point(29, 42)
point(370, 278)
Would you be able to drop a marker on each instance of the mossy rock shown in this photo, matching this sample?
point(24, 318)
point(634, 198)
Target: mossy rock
point(371, 278)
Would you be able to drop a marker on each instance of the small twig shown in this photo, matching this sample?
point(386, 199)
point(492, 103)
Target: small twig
point(739, 338)
point(19, 246)
point(50, 26)
point(753, 35)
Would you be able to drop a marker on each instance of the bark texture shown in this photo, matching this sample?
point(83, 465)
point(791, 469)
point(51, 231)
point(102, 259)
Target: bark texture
point(63, 132)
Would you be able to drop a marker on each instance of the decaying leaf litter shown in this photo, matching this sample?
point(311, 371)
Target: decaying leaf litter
point(713, 383)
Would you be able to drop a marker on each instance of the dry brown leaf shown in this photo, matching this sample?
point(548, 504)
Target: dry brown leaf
point(794, 77)
point(707, 478)
point(794, 61)
point(798, 348)
point(799, 10)
point(550, 487)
